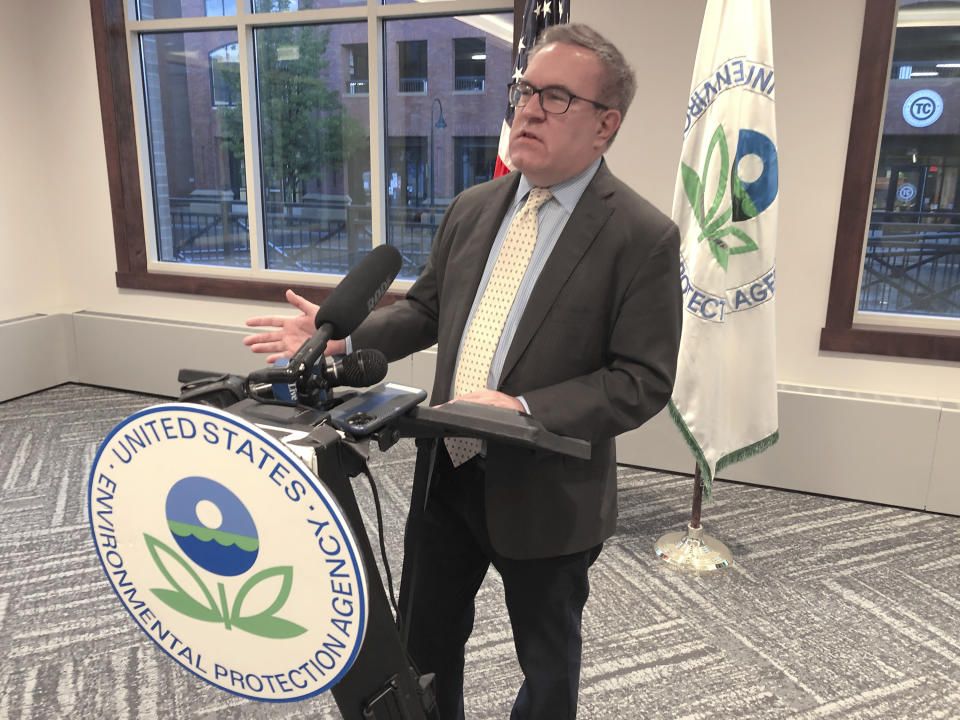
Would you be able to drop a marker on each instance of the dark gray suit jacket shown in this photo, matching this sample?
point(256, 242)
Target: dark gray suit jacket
point(594, 355)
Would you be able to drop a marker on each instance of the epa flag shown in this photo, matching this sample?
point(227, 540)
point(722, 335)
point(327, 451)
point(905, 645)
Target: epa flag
point(537, 15)
point(725, 202)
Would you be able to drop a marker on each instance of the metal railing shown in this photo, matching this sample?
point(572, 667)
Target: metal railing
point(306, 237)
point(912, 269)
point(413, 85)
point(197, 234)
point(469, 83)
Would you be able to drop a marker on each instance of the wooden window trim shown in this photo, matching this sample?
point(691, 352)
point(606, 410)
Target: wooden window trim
point(123, 175)
point(838, 333)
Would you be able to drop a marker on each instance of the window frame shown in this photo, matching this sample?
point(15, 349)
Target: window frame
point(117, 97)
point(841, 332)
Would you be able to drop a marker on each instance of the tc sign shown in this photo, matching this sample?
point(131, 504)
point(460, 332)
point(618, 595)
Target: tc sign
point(923, 108)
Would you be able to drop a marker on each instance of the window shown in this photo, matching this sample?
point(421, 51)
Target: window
point(294, 5)
point(474, 160)
point(220, 7)
point(422, 173)
point(192, 134)
point(307, 139)
point(897, 291)
point(225, 75)
point(258, 168)
point(407, 172)
point(469, 64)
point(358, 70)
point(412, 66)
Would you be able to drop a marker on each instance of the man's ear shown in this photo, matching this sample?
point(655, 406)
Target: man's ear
point(609, 124)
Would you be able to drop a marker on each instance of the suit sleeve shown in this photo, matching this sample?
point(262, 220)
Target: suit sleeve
point(639, 366)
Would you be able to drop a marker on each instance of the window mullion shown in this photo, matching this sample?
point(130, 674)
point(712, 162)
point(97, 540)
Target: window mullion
point(375, 65)
point(251, 139)
point(141, 132)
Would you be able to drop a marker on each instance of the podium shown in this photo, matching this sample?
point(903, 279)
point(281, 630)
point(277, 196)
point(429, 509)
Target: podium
point(382, 684)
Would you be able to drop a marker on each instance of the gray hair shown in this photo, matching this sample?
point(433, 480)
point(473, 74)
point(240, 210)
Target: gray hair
point(619, 83)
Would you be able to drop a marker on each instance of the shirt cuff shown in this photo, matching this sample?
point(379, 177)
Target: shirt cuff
point(526, 408)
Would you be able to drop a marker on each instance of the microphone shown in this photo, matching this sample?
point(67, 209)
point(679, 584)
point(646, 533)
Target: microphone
point(347, 305)
point(360, 368)
point(360, 291)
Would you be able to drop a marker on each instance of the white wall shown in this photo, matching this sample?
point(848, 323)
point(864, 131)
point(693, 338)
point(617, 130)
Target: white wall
point(54, 203)
point(27, 180)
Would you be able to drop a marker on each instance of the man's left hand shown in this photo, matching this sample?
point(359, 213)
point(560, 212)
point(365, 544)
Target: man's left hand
point(491, 397)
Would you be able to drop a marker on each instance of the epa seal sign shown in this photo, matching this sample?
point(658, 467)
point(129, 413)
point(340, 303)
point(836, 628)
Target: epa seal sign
point(228, 552)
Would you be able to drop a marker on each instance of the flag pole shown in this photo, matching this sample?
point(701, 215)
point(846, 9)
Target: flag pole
point(697, 497)
point(692, 549)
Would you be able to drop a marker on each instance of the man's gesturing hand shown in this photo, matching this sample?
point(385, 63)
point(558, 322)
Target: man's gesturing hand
point(292, 332)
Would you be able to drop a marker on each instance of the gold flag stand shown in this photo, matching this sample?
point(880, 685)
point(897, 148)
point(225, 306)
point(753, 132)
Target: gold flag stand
point(692, 549)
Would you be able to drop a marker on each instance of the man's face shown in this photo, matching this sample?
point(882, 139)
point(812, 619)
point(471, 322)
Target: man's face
point(550, 148)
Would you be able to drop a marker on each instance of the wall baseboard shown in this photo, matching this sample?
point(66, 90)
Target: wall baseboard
point(40, 352)
point(875, 448)
point(894, 451)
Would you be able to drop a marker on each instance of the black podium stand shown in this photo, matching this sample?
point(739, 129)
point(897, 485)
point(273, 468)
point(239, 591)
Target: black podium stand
point(381, 684)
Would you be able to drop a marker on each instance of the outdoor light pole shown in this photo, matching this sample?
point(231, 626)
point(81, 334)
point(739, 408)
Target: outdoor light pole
point(440, 125)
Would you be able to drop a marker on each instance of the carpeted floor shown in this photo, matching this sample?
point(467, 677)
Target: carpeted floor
point(834, 609)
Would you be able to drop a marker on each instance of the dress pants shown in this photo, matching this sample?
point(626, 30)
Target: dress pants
point(544, 598)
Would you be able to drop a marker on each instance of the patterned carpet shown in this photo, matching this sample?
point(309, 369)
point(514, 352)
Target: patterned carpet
point(834, 609)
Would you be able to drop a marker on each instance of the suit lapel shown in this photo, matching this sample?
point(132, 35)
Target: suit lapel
point(580, 232)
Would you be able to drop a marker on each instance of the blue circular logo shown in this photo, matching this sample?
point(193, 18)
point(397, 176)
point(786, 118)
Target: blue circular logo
point(923, 108)
point(212, 526)
point(906, 192)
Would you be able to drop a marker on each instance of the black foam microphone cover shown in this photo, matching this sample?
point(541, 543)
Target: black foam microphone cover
point(360, 291)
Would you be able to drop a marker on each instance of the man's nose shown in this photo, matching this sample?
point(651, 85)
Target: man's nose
point(533, 108)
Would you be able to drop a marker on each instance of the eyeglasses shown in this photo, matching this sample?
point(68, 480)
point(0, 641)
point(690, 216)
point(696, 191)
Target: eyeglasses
point(554, 100)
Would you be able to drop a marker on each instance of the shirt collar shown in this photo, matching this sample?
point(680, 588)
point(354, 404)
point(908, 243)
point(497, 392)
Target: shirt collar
point(568, 192)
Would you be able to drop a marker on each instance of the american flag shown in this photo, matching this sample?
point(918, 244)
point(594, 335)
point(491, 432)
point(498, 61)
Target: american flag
point(537, 15)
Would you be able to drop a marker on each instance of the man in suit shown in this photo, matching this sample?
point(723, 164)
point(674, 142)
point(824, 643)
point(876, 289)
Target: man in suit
point(586, 343)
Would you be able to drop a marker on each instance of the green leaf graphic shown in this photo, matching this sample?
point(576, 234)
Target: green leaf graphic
point(691, 186)
point(711, 229)
point(265, 623)
point(718, 140)
point(185, 604)
point(270, 627)
point(748, 244)
point(178, 598)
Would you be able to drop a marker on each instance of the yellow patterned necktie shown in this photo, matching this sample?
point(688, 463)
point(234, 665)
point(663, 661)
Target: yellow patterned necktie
point(483, 334)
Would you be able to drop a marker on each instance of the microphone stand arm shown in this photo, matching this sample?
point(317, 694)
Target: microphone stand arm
point(299, 369)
